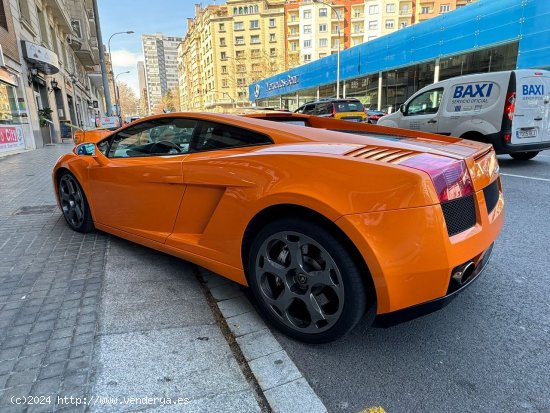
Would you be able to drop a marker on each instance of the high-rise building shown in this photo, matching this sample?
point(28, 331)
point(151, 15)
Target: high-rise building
point(315, 29)
point(142, 88)
point(161, 66)
point(226, 48)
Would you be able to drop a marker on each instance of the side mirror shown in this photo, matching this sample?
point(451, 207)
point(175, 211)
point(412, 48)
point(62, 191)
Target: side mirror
point(403, 108)
point(86, 149)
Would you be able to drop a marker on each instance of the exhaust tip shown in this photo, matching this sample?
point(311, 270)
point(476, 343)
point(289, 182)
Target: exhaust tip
point(463, 273)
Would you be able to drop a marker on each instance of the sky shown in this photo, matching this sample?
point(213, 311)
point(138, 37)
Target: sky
point(143, 17)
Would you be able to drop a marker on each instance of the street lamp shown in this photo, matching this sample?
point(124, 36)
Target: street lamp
point(117, 96)
point(111, 57)
point(338, 54)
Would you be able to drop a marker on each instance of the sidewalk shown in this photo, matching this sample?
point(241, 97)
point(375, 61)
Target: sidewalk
point(99, 319)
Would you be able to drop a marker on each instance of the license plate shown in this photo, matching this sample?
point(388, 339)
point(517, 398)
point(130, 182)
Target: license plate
point(527, 133)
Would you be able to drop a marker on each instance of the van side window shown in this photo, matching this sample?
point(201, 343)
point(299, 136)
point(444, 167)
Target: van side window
point(426, 103)
point(308, 109)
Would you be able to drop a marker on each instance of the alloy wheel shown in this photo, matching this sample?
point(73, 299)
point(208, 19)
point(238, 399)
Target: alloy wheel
point(72, 200)
point(300, 282)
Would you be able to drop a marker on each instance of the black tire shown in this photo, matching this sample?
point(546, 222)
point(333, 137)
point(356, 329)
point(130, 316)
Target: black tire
point(74, 204)
point(327, 286)
point(524, 156)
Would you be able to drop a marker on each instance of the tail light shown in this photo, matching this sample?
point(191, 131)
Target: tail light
point(450, 176)
point(510, 105)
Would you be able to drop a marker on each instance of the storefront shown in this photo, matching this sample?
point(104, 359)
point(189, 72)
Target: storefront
point(14, 121)
point(486, 36)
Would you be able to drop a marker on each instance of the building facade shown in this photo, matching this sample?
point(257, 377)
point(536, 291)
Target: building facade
point(315, 30)
point(485, 36)
point(227, 47)
point(142, 88)
point(56, 68)
point(161, 67)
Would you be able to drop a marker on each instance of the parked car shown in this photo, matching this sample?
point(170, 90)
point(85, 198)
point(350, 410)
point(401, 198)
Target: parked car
point(510, 110)
point(373, 116)
point(345, 109)
point(323, 222)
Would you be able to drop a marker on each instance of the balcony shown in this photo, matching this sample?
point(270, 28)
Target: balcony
point(293, 35)
point(59, 9)
point(405, 12)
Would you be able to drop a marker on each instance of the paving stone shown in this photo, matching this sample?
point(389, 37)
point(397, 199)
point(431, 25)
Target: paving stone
point(258, 344)
point(235, 306)
point(245, 323)
point(274, 369)
point(25, 377)
point(294, 397)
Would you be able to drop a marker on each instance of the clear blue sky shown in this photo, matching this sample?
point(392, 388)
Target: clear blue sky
point(143, 17)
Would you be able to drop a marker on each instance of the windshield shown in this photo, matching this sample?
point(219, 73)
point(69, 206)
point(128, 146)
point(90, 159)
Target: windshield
point(348, 106)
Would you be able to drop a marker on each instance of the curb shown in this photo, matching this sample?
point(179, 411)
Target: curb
point(278, 377)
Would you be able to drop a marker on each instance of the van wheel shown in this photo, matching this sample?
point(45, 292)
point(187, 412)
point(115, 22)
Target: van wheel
point(524, 156)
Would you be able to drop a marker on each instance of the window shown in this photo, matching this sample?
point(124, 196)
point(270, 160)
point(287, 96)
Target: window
point(271, 37)
point(239, 54)
point(222, 27)
point(373, 25)
point(254, 24)
point(272, 52)
point(3, 19)
point(390, 8)
point(307, 28)
point(225, 83)
point(426, 103)
point(255, 52)
point(25, 11)
point(425, 10)
point(293, 46)
point(307, 14)
point(323, 42)
point(153, 138)
point(222, 41)
point(323, 11)
point(272, 23)
point(239, 26)
point(241, 68)
point(213, 136)
point(255, 39)
point(444, 8)
point(373, 9)
point(223, 56)
point(322, 28)
point(357, 28)
point(239, 40)
point(43, 30)
point(307, 57)
point(390, 24)
point(403, 25)
point(224, 69)
point(307, 44)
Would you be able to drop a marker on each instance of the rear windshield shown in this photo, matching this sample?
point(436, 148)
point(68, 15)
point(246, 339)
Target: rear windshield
point(348, 106)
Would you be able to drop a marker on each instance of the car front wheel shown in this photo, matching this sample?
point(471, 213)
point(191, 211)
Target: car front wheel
point(305, 281)
point(74, 204)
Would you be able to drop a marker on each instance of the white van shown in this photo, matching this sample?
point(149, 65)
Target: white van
point(509, 109)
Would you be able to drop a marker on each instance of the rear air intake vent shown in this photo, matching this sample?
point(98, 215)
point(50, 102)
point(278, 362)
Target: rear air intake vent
point(392, 155)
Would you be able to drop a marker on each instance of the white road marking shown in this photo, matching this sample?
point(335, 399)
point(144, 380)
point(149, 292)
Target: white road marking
point(527, 177)
point(544, 156)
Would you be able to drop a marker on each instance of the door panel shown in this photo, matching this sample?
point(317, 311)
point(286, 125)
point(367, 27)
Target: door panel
point(138, 195)
point(531, 116)
point(422, 112)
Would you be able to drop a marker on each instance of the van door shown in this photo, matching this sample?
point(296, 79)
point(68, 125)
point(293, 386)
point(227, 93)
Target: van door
point(421, 113)
point(531, 123)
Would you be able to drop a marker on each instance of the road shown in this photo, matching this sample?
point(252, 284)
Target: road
point(488, 351)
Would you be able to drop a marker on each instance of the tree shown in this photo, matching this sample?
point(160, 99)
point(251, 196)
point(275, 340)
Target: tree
point(171, 100)
point(129, 102)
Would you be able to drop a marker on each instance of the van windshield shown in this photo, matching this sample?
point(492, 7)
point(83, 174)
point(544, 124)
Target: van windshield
point(348, 106)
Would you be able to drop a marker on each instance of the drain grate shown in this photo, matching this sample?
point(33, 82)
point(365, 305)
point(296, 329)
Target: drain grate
point(37, 209)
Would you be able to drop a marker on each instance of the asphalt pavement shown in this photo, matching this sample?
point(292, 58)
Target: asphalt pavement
point(488, 351)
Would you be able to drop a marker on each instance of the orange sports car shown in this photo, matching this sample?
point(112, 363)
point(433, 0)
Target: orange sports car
point(323, 219)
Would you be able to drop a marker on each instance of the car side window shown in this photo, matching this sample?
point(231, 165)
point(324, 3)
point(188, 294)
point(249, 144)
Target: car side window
point(212, 136)
point(309, 109)
point(426, 103)
point(156, 137)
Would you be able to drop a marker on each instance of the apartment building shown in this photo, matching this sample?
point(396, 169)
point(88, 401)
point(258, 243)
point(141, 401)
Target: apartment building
point(316, 29)
point(161, 67)
point(49, 72)
point(226, 48)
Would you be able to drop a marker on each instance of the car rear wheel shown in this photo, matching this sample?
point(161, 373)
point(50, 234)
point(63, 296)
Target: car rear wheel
point(524, 156)
point(74, 204)
point(305, 281)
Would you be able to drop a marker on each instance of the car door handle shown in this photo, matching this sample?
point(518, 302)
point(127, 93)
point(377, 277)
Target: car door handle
point(432, 121)
point(539, 118)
